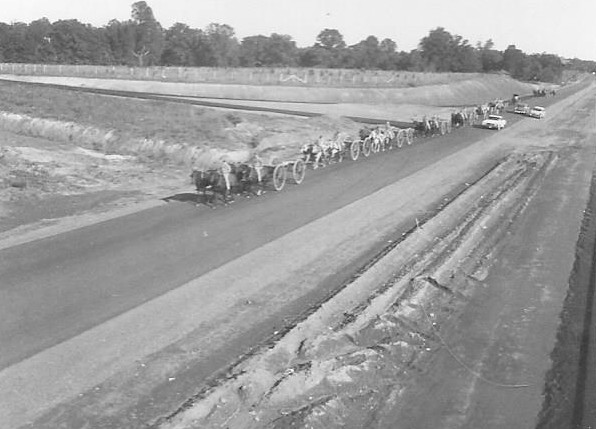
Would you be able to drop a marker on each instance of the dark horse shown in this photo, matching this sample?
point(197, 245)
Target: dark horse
point(457, 119)
point(251, 176)
point(214, 182)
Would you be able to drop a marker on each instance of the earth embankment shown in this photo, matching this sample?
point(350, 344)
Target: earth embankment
point(477, 89)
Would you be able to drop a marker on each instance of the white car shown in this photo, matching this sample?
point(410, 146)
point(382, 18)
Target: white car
point(522, 109)
point(494, 122)
point(537, 112)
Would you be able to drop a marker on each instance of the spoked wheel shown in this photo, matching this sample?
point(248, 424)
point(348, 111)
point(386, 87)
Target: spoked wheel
point(409, 136)
point(355, 150)
point(279, 177)
point(299, 171)
point(366, 146)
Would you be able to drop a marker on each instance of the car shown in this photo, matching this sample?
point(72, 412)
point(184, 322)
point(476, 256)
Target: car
point(521, 108)
point(537, 112)
point(494, 122)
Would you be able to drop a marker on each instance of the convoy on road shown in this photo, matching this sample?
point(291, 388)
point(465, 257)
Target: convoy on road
point(254, 177)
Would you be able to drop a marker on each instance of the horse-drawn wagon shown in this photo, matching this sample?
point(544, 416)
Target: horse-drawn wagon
point(253, 177)
point(281, 170)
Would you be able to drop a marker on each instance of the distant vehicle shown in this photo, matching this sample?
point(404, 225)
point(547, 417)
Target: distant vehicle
point(521, 108)
point(494, 122)
point(537, 112)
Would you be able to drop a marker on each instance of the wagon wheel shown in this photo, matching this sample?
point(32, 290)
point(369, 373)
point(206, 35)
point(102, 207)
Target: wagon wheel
point(355, 150)
point(401, 136)
point(409, 136)
point(366, 145)
point(299, 171)
point(279, 177)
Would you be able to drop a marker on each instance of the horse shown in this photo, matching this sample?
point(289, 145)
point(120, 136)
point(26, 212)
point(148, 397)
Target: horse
point(314, 153)
point(422, 128)
point(254, 175)
point(457, 119)
point(213, 180)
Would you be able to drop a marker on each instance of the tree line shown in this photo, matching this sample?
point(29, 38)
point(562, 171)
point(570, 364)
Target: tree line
point(142, 41)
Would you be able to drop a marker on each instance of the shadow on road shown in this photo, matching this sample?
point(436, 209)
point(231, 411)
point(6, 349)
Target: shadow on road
point(187, 197)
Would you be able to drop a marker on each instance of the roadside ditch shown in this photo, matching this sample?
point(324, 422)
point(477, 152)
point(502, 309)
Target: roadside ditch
point(570, 388)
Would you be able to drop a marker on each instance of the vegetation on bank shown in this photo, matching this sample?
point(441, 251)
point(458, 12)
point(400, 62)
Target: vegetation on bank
point(151, 129)
point(142, 41)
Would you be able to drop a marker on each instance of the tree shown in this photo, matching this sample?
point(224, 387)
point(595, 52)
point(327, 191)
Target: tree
point(222, 45)
point(276, 50)
point(281, 50)
point(330, 48)
point(149, 38)
point(513, 61)
point(310, 57)
point(466, 58)
point(491, 60)
point(330, 39)
point(252, 51)
point(367, 53)
point(178, 44)
point(78, 43)
point(121, 38)
point(388, 55)
point(39, 37)
point(17, 46)
point(437, 50)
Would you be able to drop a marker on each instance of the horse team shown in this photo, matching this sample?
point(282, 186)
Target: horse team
point(253, 177)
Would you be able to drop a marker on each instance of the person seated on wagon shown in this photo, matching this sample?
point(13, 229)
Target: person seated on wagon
point(226, 170)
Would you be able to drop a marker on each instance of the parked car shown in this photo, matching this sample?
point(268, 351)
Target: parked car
point(537, 112)
point(494, 122)
point(521, 108)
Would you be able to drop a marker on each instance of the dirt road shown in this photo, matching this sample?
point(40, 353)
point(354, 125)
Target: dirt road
point(283, 253)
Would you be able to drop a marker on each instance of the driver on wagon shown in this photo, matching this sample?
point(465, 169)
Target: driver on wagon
point(226, 170)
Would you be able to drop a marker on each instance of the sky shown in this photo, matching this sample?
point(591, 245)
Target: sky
point(562, 27)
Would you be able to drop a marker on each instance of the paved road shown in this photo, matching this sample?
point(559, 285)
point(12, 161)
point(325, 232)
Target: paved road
point(55, 288)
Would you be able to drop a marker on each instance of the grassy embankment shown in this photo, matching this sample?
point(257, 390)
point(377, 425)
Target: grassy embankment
point(157, 130)
point(186, 134)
